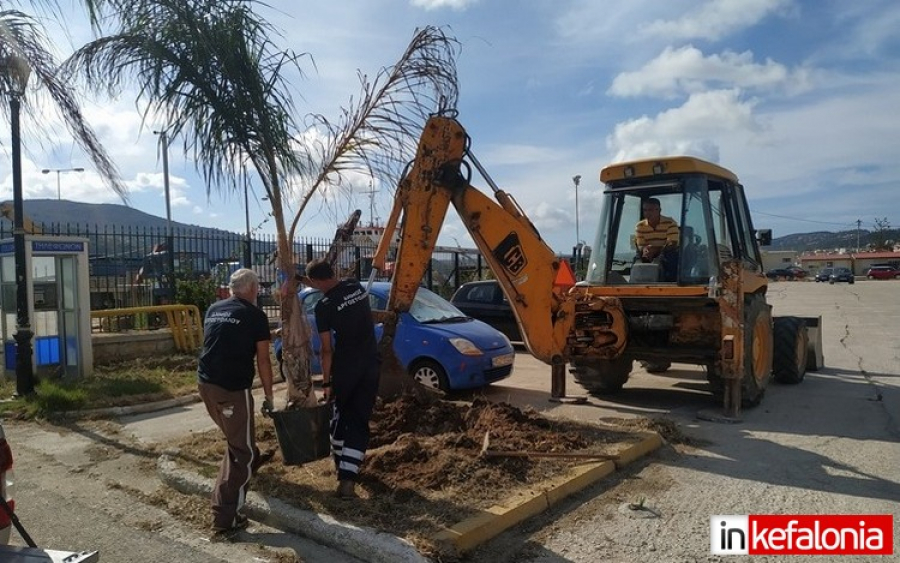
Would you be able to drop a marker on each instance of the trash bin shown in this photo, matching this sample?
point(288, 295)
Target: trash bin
point(303, 433)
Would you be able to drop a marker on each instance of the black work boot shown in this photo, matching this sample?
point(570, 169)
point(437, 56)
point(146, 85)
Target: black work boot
point(346, 489)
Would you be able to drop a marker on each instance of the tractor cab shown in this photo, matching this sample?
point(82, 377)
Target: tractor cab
point(712, 224)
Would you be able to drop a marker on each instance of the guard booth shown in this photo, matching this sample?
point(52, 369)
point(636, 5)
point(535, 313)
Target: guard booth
point(58, 305)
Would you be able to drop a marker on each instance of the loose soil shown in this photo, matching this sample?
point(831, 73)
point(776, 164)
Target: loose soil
point(424, 469)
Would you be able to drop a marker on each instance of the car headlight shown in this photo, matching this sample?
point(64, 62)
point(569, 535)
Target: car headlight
point(465, 347)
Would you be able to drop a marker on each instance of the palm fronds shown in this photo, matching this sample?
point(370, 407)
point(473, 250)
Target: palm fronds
point(21, 36)
point(376, 135)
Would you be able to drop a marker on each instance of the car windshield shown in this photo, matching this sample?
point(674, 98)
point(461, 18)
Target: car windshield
point(429, 307)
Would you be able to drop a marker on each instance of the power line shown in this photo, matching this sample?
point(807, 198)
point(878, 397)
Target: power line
point(805, 220)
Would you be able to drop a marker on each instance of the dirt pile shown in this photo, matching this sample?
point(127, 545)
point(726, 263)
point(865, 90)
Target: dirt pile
point(424, 466)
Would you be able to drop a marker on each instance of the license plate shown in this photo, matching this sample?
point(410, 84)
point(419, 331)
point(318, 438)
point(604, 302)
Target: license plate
point(504, 360)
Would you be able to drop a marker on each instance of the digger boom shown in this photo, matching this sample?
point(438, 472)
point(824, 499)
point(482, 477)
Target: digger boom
point(539, 285)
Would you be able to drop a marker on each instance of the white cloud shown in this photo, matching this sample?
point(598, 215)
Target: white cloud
point(691, 129)
point(715, 19)
point(438, 4)
point(686, 70)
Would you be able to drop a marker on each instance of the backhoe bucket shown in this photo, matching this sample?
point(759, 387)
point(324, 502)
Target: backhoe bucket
point(815, 359)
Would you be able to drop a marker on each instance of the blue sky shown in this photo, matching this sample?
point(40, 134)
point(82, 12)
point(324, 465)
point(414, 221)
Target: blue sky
point(799, 98)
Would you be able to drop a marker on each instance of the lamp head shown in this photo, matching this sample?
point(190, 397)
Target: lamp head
point(46, 171)
point(14, 72)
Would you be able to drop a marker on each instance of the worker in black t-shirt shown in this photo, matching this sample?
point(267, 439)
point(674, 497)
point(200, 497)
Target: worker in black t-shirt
point(235, 331)
point(350, 367)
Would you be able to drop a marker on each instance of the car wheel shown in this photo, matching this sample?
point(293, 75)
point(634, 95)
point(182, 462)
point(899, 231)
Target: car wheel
point(870, 277)
point(430, 374)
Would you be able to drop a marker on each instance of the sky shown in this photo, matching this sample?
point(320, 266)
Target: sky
point(799, 98)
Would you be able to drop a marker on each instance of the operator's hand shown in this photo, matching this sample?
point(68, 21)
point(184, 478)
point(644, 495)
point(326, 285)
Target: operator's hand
point(326, 391)
point(267, 407)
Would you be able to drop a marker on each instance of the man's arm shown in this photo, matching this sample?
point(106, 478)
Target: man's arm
point(326, 353)
point(672, 233)
point(264, 366)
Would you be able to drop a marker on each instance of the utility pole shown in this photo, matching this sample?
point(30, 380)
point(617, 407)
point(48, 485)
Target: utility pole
point(858, 223)
point(576, 259)
point(371, 192)
point(248, 248)
point(170, 242)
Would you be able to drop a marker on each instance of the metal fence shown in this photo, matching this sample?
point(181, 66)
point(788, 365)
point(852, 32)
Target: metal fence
point(128, 265)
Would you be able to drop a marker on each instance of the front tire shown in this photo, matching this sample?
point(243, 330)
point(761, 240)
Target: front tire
point(430, 375)
point(791, 348)
point(602, 377)
point(757, 355)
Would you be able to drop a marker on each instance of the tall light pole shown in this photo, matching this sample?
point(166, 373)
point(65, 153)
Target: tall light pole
point(170, 241)
point(577, 249)
point(577, 180)
point(58, 172)
point(248, 250)
point(14, 71)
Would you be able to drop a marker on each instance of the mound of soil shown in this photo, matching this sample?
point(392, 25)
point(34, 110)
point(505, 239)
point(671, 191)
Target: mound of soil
point(425, 466)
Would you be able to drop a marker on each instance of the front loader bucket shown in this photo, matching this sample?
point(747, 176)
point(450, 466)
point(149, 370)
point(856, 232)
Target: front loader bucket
point(394, 379)
point(815, 359)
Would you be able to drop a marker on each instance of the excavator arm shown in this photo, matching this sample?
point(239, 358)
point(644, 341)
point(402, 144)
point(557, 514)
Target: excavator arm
point(7, 210)
point(554, 315)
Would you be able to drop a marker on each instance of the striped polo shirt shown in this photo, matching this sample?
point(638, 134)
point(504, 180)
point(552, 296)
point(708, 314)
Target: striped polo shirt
point(666, 232)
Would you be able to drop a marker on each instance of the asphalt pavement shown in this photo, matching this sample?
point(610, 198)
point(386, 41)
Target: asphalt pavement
point(828, 445)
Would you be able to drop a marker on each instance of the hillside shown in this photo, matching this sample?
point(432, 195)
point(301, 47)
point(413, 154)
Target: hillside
point(824, 240)
point(108, 215)
point(123, 232)
point(62, 212)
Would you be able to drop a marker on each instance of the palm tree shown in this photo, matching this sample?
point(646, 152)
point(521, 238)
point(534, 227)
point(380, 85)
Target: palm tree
point(210, 70)
point(22, 39)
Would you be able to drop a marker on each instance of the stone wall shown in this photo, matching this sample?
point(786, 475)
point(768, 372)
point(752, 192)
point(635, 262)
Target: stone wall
point(117, 347)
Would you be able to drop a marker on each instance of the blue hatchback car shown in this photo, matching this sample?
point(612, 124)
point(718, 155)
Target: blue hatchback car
point(437, 343)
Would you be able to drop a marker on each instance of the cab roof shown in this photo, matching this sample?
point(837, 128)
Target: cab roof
point(661, 167)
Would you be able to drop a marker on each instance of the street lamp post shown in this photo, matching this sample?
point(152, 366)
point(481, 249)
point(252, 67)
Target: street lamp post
point(577, 250)
point(248, 249)
point(170, 241)
point(58, 172)
point(14, 71)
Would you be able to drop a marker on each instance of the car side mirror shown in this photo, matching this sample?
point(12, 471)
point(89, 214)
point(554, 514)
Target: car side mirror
point(764, 237)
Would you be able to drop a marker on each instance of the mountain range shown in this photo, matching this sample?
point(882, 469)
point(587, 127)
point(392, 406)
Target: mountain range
point(108, 215)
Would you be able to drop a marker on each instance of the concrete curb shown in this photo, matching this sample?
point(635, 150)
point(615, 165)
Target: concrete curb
point(470, 533)
point(137, 409)
point(363, 543)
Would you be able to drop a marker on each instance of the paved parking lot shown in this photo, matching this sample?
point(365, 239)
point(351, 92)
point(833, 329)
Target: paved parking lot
point(829, 445)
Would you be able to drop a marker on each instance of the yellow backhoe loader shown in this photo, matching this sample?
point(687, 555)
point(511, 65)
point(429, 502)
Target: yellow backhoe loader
point(701, 301)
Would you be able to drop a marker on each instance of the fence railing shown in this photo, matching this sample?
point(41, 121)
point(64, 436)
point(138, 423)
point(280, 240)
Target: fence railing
point(129, 264)
point(183, 321)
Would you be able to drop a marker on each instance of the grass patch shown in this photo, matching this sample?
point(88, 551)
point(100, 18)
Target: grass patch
point(122, 384)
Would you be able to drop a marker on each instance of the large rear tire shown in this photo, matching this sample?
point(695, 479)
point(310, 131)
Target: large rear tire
point(757, 355)
point(602, 377)
point(656, 366)
point(791, 348)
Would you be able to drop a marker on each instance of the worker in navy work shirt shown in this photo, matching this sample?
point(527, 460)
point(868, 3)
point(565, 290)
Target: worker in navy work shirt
point(235, 332)
point(350, 367)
